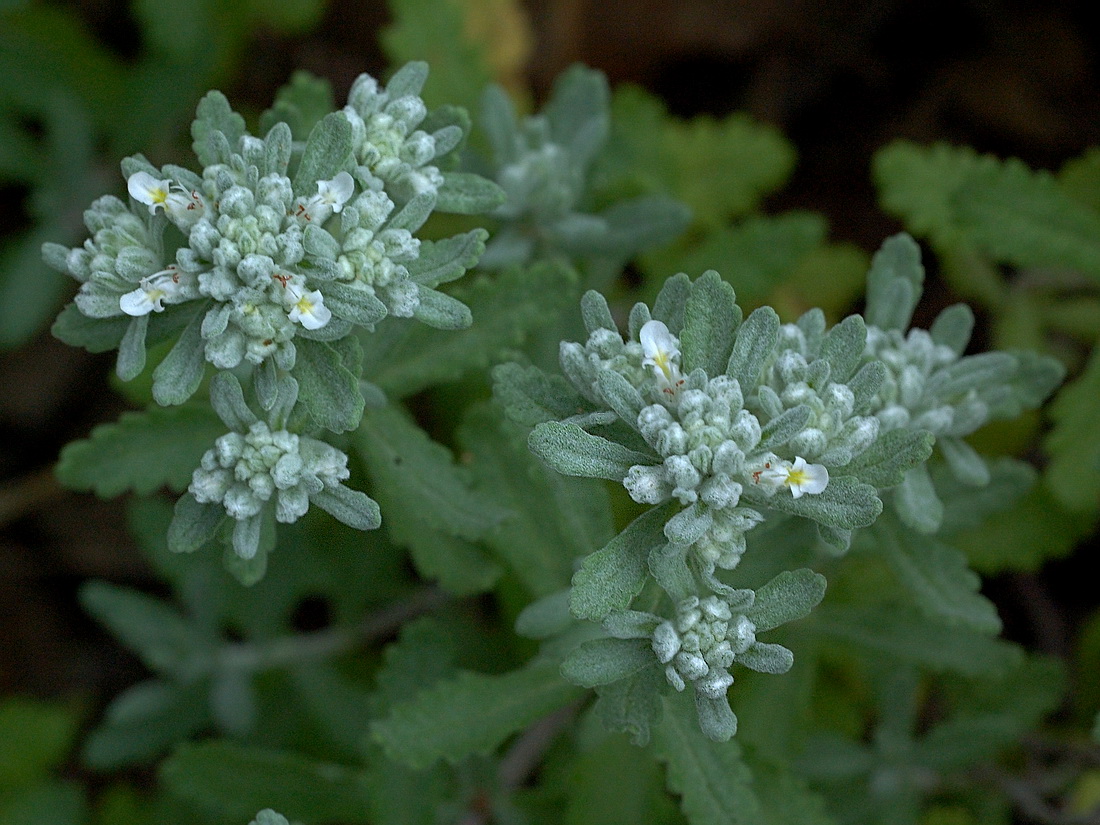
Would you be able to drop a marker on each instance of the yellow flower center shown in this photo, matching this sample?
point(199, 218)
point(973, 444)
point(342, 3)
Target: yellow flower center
point(797, 477)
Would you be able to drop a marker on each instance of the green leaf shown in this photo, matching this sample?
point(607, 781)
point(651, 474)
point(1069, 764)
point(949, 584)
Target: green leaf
point(671, 302)
point(472, 713)
point(1026, 219)
point(759, 253)
point(603, 661)
point(965, 462)
point(711, 318)
point(719, 168)
point(1074, 442)
point(784, 427)
point(754, 344)
point(423, 476)
point(894, 453)
point(29, 293)
point(785, 798)
point(406, 357)
point(57, 56)
point(960, 198)
point(227, 399)
point(918, 185)
point(441, 311)
point(953, 326)
point(145, 720)
point(553, 519)
point(992, 713)
point(712, 779)
point(1080, 178)
point(328, 378)
point(632, 772)
point(917, 503)
point(353, 302)
point(1024, 534)
point(845, 503)
point(353, 507)
point(428, 501)
point(572, 451)
point(399, 795)
point(152, 628)
point(623, 398)
point(193, 524)
point(938, 577)
point(93, 334)
point(327, 152)
point(894, 283)
point(789, 596)
point(668, 566)
point(904, 633)
point(301, 104)
point(131, 350)
point(448, 259)
point(434, 31)
point(633, 705)
point(464, 193)
point(611, 577)
point(178, 376)
point(214, 114)
point(596, 313)
point(234, 781)
point(843, 347)
point(641, 223)
point(142, 452)
point(531, 396)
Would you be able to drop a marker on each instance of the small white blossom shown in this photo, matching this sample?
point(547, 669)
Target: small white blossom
point(182, 206)
point(336, 192)
point(330, 198)
point(800, 477)
point(167, 285)
point(660, 350)
point(307, 308)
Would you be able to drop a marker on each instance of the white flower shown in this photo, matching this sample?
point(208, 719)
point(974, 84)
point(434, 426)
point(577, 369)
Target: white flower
point(800, 477)
point(336, 192)
point(181, 206)
point(307, 308)
point(660, 349)
point(330, 198)
point(169, 285)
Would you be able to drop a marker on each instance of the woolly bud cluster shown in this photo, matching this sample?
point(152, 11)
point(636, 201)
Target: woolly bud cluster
point(243, 471)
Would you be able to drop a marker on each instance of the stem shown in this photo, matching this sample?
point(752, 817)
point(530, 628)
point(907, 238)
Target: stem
point(322, 644)
point(526, 753)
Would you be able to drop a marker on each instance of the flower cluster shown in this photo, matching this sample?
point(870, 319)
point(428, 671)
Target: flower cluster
point(919, 391)
point(385, 137)
point(124, 251)
point(797, 375)
point(544, 162)
point(244, 470)
point(701, 643)
point(273, 241)
point(709, 444)
point(264, 262)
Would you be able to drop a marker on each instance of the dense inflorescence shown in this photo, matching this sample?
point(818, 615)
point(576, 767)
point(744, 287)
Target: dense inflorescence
point(279, 244)
point(721, 423)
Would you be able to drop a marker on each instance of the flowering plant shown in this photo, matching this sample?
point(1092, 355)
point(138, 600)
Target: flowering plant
point(426, 548)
